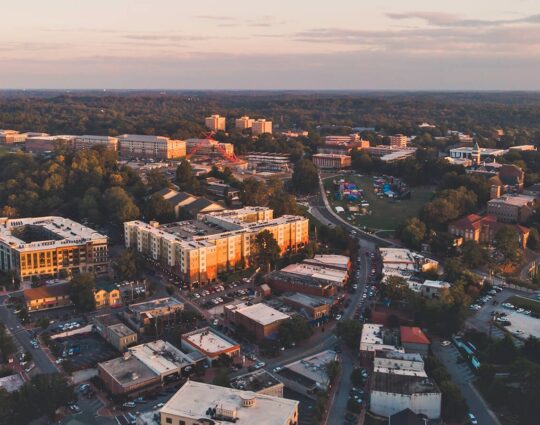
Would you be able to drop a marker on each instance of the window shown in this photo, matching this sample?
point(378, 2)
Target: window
point(168, 420)
point(182, 423)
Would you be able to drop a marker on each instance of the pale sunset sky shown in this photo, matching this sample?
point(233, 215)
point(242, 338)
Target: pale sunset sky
point(272, 44)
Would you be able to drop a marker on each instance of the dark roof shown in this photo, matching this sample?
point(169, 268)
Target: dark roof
point(164, 191)
point(46, 292)
point(405, 417)
point(197, 206)
point(105, 285)
point(179, 197)
point(403, 384)
point(107, 319)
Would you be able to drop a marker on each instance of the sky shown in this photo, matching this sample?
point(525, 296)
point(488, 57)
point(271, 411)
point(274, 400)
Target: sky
point(271, 44)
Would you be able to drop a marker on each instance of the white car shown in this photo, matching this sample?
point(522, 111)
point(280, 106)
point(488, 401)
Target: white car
point(445, 343)
point(338, 317)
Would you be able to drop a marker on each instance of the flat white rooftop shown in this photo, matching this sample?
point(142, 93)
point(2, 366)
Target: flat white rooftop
point(316, 272)
point(332, 260)
point(159, 356)
point(194, 400)
point(209, 341)
point(261, 313)
point(314, 367)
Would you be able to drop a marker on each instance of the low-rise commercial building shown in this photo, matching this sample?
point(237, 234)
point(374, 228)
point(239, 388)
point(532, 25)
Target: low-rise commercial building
point(107, 294)
point(197, 403)
point(198, 250)
point(259, 381)
point(139, 146)
point(215, 122)
point(405, 259)
point(259, 320)
point(114, 331)
point(318, 272)
point(309, 375)
point(142, 315)
point(9, 137)
point(261, 126)
point(46, 246)
point(211, 343)
point(47, 297)
point(469, 152)
point(330, 261)
point(282, 282)
point(89, 141)
point(377, 338)
point(186, 205)
point(413, 340)
point(330, 161)
point(312, 307)
point(143, 367)
point(267, 161)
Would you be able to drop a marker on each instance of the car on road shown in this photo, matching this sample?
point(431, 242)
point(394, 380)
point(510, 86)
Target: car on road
point(129, 404)
point(471, 419)
point(74, 408)
point(277, 369)
point(338, 317)
point(158, 406)
point(445, 343)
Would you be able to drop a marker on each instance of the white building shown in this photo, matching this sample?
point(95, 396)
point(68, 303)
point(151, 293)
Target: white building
point(466, 152)
point(261, 126)
point(89, 141)
point(197, 403)
point(374, 339)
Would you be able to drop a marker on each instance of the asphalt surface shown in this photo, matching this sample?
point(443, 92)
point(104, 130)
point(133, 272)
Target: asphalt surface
point(463, 377)
point(42, 363)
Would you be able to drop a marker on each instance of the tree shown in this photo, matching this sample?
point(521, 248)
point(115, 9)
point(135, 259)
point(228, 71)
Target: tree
point(395, 288)
point(454, 406)
point(283, 203)
point(156, 180)
point(350, 331)
point(157, 208)
point(222, 377)
point(186, 179)
point(120, 206)
point(254, 192)
point(357, 378)
point(305, 178)
point(474, 255)
point(534, 240)
point(265, 250)
point(332, 370)
point(294, 330)
point(82, 292)
point(7, 346)
point(413, 232)
point(507, 242)
point(127, 265)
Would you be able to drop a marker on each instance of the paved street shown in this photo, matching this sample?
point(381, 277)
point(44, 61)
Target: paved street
point(40, 359)
point(463, 377)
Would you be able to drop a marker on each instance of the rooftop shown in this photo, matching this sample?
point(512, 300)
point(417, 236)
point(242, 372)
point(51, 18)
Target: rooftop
point(413, 335)
point(128, 370)
point(160, 356)
point(161, 303)
point(515, 200)
point(402, 384)
point(196, 400)
point(11, 383)
point(260, 313)
point(255, 381)
point(121, 330)
point(209, 341)
point(307, 300)
point(45, 232)
point(46, 292)
point(312, 368)
point(316, 272)
point(330, 260)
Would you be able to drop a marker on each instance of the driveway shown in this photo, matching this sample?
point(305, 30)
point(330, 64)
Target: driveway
point(463, 377)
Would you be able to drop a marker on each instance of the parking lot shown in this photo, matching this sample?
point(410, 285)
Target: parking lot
point(83, 350)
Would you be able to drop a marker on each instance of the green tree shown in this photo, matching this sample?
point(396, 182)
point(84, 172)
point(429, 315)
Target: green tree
point(350, 332)
point(454, 406)
point(82, 289)
point(474, 255)
point(7, 346)
point(305, 178)
point(534, 240)
point(157, 208)
point(186, 179)
point(254, 192)
point(156, 180)
point(413, 232)
point(222, 377)
point(295, 329)
point(127, 265)
point(120, 206)
point(332, 370)
point(507, 242)
point(395, 288)
point(265, 250)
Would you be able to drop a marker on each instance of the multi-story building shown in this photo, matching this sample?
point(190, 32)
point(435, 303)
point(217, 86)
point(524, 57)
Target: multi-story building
point(470, 152)
point(331, 161)
point(210, 343)
point(374, 338)
point(43, 144)
point(244, 122)
point(208, 147)
point(198, 403)
point(107, 294)
point(413, 340)
point(261, 126)
point(259, 320)
point(89, 141)
point(266, 161)
point(197, 250)
point(133, 146)
point(166, 310)
point(259, 381)
point(47, 297)
point(215, 123)
point(512, 208)
point(314, 308)
point(398, 141)
point(47, 246)
point(482, 229)
point(9, 137)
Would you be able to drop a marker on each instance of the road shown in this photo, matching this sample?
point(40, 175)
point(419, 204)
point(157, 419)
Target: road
point(463, 377)
point(11, 321)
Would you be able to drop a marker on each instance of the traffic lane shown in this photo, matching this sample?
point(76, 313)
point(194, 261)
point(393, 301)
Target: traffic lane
point(40, 359)
point(463, 377)
point(338, 408)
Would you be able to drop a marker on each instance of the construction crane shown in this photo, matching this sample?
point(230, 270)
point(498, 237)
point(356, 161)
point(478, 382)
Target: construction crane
point(209, 141)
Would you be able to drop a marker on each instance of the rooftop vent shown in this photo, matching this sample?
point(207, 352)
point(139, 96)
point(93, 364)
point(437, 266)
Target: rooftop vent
point(248, 400)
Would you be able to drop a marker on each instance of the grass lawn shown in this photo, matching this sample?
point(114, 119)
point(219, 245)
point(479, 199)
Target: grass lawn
point(386, 214)
point(525, 303)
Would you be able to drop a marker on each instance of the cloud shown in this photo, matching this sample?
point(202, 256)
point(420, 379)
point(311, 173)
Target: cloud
point(451, 20)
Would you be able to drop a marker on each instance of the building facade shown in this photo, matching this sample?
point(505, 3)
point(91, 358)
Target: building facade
point(261, 126)
point(133, 146)
point(259, 320)
point(88, 141)
point(47, 297)
point(331, 161)
point(398, 141)
point(512, 208)
point(47, 246)
point(243, 123)
point(215, 123)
